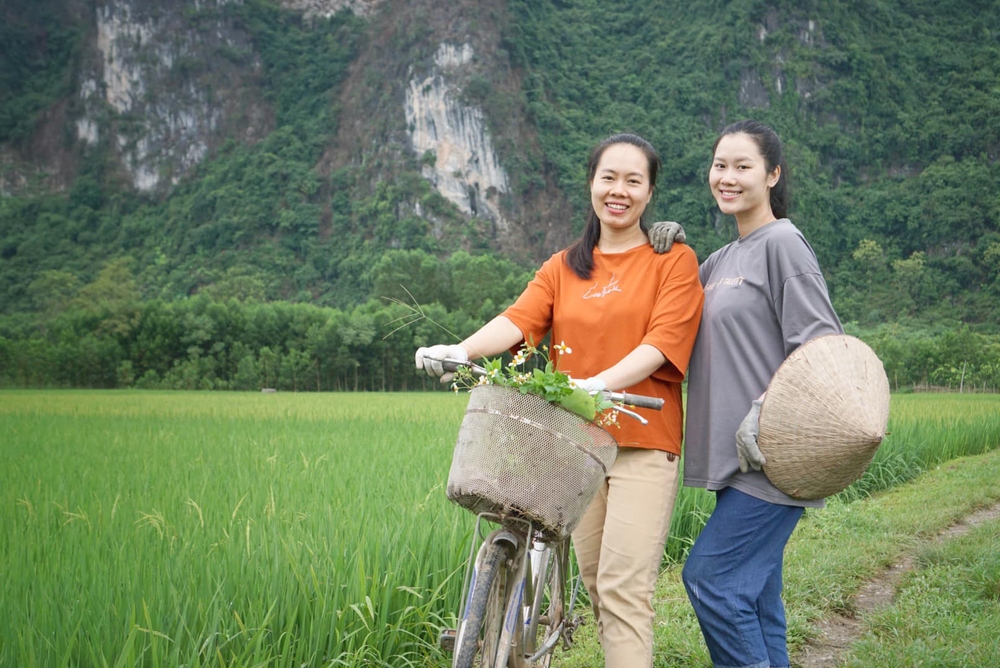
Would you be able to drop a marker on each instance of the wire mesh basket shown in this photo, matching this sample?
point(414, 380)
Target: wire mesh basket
point(518, 454)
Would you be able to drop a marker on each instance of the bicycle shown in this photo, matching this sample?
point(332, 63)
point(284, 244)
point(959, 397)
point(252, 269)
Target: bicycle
point(531, 468)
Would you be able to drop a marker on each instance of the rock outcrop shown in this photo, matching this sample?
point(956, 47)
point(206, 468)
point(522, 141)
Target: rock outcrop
point(160, 68)
point(452, 139)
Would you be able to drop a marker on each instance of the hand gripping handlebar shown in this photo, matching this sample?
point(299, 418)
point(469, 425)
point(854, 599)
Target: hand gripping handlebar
point(637, 400)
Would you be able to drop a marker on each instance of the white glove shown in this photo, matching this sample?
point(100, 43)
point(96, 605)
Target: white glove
point(591, 385)
point(429, 360)
point(663, 235)
point(746, 440)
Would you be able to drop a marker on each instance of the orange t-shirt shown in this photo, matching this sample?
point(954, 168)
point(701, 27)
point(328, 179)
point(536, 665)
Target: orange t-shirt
point(630, 298)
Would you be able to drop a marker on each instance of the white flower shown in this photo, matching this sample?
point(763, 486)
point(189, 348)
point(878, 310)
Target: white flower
point(562, 348)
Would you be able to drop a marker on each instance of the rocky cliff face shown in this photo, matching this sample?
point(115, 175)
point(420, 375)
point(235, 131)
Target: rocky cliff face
point(434, 89)
point(325, 8)
point(176, 77)
point(452, 138)
point(162, 83)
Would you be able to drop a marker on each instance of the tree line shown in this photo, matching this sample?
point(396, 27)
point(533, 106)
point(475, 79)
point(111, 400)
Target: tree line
point(104, 335)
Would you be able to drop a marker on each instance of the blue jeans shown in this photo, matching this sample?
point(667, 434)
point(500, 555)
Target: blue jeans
point(733, 579)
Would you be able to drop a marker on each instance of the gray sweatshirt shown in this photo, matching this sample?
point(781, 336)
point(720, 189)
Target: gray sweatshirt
point(764, 297)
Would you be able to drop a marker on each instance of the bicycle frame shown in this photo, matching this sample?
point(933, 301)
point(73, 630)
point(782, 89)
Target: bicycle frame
point(530, 558)
point(546, 557)
point(504, 609)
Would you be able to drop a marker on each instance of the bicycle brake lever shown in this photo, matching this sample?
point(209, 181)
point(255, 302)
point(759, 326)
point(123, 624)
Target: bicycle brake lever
point(632, 414)
point(621, 397)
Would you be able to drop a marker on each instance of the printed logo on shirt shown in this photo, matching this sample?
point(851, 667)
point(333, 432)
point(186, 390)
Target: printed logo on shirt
point(738, 280)
point(595, 292)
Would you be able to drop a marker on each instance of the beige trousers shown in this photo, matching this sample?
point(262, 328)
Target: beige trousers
point(619, 546)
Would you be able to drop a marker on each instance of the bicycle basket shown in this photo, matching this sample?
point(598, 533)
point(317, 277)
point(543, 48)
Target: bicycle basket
point(517, 454)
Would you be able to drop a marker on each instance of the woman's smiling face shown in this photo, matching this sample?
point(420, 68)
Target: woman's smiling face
point(739, 179)
point(621, 187)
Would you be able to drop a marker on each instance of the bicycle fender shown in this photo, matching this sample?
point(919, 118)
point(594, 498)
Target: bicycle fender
point(507, 536)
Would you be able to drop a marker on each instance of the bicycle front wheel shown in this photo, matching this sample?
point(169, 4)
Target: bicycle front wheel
point(478, 639)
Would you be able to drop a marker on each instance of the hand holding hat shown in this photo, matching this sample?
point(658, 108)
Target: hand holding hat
point(746, 440)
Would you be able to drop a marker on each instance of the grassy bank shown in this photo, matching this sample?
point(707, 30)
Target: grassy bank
point(946, 613)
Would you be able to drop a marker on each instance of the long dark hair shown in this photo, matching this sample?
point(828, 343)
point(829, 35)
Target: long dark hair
point(580, 256)
point(769, 144)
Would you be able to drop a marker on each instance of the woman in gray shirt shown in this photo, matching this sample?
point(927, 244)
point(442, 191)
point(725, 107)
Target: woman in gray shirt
point(764, 297)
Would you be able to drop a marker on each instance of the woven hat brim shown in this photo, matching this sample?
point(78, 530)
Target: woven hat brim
point(824, 416)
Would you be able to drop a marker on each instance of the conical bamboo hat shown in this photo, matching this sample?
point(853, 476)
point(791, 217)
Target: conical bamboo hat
point(824, 416)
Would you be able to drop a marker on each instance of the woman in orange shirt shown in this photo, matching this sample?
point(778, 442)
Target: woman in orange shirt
point(630, 317)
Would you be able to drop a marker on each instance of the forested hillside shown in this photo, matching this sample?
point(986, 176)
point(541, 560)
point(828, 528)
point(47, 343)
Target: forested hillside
point(286, 184)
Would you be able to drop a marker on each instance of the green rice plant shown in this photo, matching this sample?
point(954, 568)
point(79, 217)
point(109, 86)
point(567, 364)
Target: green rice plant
point(691, 510)
point(173, 528)
point(924, 431)
point(163, 529)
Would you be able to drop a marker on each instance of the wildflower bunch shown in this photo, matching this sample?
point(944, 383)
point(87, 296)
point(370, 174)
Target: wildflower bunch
point(544, 380)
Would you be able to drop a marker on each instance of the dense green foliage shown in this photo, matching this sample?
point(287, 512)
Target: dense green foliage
point(104, 335)
point(35, 61)
point(887, 110)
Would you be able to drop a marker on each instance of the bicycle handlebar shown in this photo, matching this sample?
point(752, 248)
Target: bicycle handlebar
point(638, 400)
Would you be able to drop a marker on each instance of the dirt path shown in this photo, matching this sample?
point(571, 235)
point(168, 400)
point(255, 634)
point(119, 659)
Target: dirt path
point(837, 632)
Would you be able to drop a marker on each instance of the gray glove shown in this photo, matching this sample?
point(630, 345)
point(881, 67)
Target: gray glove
point(429, 360)
point(663, 235)
point(746, 440)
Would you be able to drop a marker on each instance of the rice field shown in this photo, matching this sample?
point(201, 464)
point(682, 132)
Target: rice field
point(226, 529)
point(167, 529)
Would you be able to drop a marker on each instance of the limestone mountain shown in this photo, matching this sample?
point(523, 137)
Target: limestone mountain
point(295, 149)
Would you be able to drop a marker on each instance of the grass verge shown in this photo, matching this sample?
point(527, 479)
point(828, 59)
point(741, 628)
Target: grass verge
point(946, 610)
